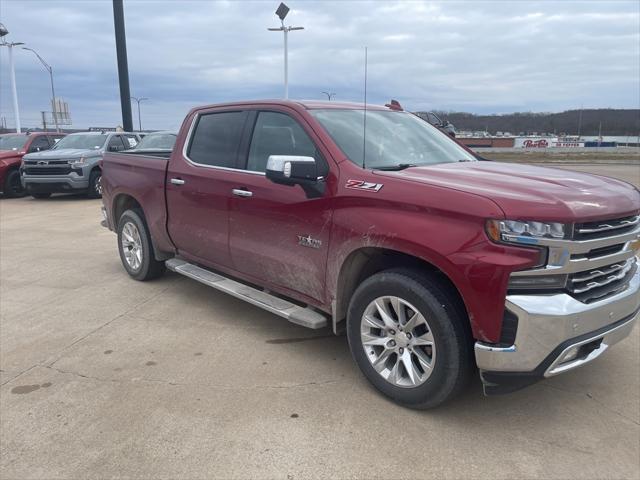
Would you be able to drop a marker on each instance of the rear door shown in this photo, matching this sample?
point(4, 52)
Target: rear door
point(199, 189)
point(277, 235)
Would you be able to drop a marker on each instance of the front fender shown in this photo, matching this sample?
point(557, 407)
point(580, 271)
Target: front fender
point(454, 244)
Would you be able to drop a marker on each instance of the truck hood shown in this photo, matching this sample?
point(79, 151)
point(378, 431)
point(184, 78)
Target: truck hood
point(63, 153)
point(5, 154)
point(532, 193)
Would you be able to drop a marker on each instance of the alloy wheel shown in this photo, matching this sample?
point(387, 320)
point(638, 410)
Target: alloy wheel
point(132, 245)
point(97, 185)
point(398, 341)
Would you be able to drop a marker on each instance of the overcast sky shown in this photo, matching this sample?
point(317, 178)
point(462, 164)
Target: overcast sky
point(474, 56)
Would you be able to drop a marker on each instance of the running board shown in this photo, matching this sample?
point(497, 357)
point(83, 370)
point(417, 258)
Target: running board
point(306, 317)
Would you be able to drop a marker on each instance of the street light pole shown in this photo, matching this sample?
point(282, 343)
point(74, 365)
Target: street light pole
point(329, 95)
point(281, 12)
point(53, 91)
point(12, 74)
point(138, 100)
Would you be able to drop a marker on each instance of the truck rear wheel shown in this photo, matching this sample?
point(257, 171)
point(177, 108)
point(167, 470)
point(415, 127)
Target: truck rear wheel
point(12, 187)
point(407, 334)
point(135, 248)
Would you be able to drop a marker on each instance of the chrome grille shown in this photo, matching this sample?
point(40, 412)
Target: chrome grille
point(47, 162)
point(606, 228)
point(602, 282)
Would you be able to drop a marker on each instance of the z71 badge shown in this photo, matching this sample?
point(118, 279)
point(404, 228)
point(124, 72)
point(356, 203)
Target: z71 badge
point(362, 185)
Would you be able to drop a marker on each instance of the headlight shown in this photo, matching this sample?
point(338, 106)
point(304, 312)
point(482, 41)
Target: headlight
point(77, 162)
point(527, 232)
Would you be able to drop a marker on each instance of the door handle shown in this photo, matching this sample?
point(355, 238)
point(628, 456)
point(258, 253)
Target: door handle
point(238, 192)
point(177, 181)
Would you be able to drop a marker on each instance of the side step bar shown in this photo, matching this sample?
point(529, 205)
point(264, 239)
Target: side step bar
point(306, 317)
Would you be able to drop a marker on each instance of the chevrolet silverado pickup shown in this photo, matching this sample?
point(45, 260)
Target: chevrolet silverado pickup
point(13, 146)
point(73, 165)
point(374, 222)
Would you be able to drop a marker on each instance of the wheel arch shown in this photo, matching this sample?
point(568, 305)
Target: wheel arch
point(367, 261)
point(125, 201)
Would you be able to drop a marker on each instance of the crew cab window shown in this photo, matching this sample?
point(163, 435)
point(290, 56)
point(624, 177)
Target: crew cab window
point(130, 141)
point(115, 144)
point(277, 134)
point(53, 139)
point(38, 144)
point(216, 139)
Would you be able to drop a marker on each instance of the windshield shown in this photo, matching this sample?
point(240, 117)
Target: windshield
point(12, 142)
point(81, 142)
point(393, 138)
point(163, 141)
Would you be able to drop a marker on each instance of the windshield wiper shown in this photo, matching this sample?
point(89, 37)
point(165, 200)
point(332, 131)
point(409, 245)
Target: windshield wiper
point(400, 166)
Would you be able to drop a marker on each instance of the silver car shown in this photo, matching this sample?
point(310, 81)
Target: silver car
point(73, 164)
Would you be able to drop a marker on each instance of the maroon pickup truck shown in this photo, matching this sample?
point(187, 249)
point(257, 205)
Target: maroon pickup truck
point(434, 263)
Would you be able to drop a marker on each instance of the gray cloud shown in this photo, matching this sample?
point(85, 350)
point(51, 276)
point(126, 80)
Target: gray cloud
point(474, 56)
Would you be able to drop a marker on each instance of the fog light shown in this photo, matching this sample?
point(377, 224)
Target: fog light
point(570, 354)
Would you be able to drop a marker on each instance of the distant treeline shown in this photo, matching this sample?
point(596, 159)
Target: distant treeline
point(614, 122)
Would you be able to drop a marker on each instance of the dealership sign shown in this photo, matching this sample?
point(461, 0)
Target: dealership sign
point(549, 142)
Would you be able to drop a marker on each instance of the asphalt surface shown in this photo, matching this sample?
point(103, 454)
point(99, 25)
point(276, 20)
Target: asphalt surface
point(103, 377)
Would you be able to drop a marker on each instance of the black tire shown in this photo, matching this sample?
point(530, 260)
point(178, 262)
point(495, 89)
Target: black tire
point(149, 267)
point(12, 187)
point(41, 196)
point(449, 326)
point(95, 189)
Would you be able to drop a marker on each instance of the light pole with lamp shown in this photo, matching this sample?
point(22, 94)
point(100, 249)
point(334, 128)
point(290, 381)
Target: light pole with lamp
point(282, 12)
point(329, 95)
point(53, 91)
point(3, 43)
point(138, 100)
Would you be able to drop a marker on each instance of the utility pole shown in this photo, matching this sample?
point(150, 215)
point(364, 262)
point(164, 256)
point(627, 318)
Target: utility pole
point(53, 92)
point(580, 121)
point(12, 73)
point(44, 121)
point(123, 67)
point(282, 12)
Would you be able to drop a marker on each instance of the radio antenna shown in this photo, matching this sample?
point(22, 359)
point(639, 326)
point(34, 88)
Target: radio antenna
point(364, 133)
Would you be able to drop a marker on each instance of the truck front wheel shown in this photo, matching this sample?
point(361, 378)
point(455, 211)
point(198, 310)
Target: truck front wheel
point(12, 187)
point(95, 184)
point(407, 334)
point(134, 245)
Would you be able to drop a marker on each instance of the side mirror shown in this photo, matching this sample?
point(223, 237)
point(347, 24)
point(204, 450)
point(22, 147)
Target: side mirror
point(296, 170)
point(33, 149)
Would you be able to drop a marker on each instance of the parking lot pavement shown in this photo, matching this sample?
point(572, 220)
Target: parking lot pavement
point(103, 376)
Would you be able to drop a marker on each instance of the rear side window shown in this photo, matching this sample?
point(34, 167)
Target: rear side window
point(277, 134)
point(216, 139)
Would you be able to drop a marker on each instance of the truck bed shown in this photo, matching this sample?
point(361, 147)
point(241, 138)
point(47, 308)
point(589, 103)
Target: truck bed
point(142, 177)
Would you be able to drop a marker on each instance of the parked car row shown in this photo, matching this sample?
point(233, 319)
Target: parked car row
point(13, 147)
point(40, 164)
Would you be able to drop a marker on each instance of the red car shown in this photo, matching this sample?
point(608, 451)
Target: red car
point(13, 146)
point(435, 264)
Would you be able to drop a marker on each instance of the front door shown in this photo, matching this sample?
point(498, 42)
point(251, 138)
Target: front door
point(199, 188)
point(276, 234)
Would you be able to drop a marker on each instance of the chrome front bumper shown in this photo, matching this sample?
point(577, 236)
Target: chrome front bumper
point(549, 326)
